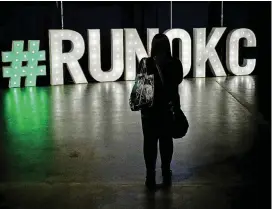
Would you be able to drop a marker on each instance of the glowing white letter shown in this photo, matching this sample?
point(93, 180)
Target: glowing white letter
point(133, 46)
point(203, 53)
point(117, 57)
point(232, 58)
point(57, 58)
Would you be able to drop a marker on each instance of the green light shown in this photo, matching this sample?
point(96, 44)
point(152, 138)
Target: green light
point(16, 70)
point(27, 114)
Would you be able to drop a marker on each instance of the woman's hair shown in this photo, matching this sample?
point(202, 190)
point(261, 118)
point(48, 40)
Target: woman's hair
point(160, 46)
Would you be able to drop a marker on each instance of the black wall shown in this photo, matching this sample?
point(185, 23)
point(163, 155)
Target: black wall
point(26, 21)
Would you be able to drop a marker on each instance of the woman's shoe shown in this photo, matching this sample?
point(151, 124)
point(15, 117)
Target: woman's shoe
point(167, 178)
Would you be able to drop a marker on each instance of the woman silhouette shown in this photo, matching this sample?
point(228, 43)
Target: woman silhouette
point(156, 119)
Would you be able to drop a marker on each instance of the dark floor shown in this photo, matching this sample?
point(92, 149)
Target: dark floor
point(80, 146)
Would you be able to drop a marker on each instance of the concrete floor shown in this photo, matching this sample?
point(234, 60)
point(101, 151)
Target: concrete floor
point(80, 146)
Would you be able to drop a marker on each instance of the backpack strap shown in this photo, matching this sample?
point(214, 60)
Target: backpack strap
point(159, 70)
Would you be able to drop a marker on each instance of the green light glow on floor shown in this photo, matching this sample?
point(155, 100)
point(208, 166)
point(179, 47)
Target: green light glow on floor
point(27, 109)
point(27, 115)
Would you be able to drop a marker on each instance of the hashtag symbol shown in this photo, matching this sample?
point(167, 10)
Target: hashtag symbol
point(17, 70)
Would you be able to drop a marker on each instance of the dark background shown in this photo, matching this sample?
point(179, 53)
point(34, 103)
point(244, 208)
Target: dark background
point(32, 20)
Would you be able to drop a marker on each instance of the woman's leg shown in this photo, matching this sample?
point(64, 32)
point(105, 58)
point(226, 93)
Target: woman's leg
point(150, 153)
point(150, 146)
point(166, 142)
point(166, 151)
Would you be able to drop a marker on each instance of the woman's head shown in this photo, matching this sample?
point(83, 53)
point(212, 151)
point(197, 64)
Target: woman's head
point(160, 46)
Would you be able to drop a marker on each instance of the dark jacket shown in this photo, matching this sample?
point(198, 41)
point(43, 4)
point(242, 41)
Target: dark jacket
point(173, 75)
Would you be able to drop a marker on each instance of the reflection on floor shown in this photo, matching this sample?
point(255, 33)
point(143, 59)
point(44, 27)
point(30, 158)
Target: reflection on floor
point(79, 146)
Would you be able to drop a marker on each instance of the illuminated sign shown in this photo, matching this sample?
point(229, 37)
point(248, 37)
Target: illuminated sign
point(126, 47)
